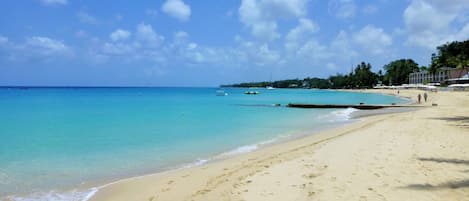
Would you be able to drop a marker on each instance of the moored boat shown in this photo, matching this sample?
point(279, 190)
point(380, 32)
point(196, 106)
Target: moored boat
point(251, 92)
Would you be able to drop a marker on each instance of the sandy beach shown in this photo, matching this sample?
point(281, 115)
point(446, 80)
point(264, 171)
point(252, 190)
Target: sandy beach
point(417, 155)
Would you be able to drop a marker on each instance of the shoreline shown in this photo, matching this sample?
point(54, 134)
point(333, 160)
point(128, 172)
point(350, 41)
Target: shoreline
point(228, 155)
point(132, 184)
point(215, 159)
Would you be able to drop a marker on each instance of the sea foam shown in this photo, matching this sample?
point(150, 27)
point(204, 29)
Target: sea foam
point(342, 115)
point(74, 195)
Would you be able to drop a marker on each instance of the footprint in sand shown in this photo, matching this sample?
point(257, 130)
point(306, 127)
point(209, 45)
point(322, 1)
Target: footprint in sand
point(310, 176)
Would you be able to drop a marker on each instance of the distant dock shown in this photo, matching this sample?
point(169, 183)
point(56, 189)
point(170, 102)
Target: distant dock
point(332, 106)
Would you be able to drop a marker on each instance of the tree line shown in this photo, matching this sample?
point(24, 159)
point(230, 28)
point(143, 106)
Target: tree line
point(452, 55)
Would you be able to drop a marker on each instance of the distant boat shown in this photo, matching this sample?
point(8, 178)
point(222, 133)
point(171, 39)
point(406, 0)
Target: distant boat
point(221, 93)
point(270, 87)
point(251, 92)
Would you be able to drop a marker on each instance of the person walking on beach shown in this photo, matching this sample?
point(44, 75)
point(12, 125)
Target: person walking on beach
point(425, 96)
point(419, 97)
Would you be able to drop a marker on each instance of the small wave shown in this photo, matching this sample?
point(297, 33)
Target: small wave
point(74, 195)
point(198, 162)
point(342, 115)
point(234, 152)
point(249, 148)
point(240, 150)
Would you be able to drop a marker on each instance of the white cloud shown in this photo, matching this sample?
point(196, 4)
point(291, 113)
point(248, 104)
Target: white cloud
point(265, 30)
point(301, 33)
point(54, 2)
point(181, 37)
point(283, 8)
point(191, 53)
point(341, 46)
point(36, 48)
point(259, 54)
point(46, 46)
point(181, 34)
point(117, 49)
point(343, 9)
point(192, 46)
point(398, 31)
point(86, 18)
point(373, 39)
point(309, 51)
point(146, 45)
point(430, 23)
point(261, 15)
point(313, 51)
point(177, 9)
point(119, 34)
point(304, 29)
point(148, 36)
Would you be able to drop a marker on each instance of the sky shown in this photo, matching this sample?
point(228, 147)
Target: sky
point(213, 42)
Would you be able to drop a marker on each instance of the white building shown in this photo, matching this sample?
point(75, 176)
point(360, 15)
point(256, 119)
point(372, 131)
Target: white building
point(426, 77)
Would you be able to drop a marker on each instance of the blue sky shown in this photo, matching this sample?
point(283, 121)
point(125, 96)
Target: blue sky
point(212, 42)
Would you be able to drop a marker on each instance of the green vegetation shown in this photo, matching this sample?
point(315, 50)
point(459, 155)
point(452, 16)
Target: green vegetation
point(453, 55)
point(361, 77)
point(397, 72)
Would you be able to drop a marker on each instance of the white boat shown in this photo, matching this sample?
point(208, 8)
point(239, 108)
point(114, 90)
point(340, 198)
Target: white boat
point(221, 93)
point(251, 92)
point(270, 87)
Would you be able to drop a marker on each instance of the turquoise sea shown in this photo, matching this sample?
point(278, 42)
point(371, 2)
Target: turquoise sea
point(57, 143)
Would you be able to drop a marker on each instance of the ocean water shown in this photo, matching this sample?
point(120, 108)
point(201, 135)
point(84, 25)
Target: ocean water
point(57, 143)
